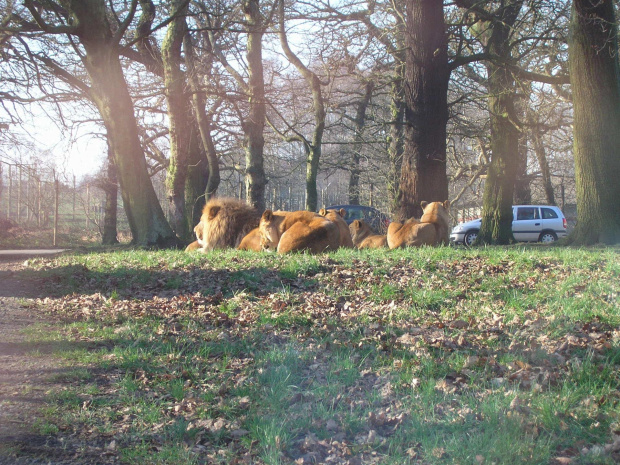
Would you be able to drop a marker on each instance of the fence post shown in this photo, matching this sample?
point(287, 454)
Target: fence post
point(8, 210)
point(87, 206)
point(40, 213)
point(19, 195)
point(73, 216)
point(56, 189)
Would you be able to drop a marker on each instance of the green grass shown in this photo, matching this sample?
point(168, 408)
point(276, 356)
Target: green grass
point(434, 355)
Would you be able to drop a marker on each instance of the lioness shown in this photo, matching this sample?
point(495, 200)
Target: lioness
point(297, 231)
point(364, 237)
point(251, 241)
point(337, 217)
point(432, 229)
point(224, 223)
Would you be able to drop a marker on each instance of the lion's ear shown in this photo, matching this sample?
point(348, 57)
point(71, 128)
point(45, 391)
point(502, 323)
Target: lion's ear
point(357, 224)
point(267, 215)
point(446, 204)
point(343, 212)
point(322, 212)
point(213, 211)
point(423, 204)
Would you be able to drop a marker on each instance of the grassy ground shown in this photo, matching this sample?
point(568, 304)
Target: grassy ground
point(425, 356)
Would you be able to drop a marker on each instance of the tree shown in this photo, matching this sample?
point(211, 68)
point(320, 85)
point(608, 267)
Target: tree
point(423, 173)
point(253, 90)
point(595, 84)
point(312, 147)
point(179, 117)
point(109, 184)
point(496, 227)
point(88, 22)
point(359, 122)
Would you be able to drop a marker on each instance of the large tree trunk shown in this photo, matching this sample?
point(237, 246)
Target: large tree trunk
point(110, 94)
point(496, 227)
point(197, 179)
point(255, 178)
point(595, 83)
point(523, 189)
point(179, 118)
point(396, 141)
point(423, 173)
point(110, 187)
point(210, 167)
point(358, 140)
point(541, 156)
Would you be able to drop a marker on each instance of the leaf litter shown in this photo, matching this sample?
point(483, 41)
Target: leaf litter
point(399, 350)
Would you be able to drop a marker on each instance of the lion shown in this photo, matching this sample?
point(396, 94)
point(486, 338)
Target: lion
point(297, 231)
point(224, 223)
point(431, 229)
point(193, 246)
point(251, 241)
point(337, 217)
point(364, 237)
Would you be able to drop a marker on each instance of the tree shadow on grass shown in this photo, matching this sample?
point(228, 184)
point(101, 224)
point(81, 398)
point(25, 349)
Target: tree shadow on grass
point(136, 282)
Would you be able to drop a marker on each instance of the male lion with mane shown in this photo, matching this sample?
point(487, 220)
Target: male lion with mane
point(337, 217)
point(224, 223)
point(297, 231)
point(364, 237)
point(432, 229)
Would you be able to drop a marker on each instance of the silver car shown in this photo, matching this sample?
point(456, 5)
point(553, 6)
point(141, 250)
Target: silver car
point(531, 223)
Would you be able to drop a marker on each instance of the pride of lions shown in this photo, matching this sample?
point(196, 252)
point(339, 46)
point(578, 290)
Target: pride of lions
point(229, 223)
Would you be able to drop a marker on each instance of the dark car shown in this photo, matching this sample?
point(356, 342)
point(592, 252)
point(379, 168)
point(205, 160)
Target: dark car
point(377, 220)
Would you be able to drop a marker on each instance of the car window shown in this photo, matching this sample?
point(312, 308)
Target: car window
point(355, 214)
point(369, 214)
point(527, 213)
point(548, 213)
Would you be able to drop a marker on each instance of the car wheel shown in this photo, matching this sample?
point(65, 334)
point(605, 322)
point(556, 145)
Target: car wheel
point(547, 236)
point(470, 237)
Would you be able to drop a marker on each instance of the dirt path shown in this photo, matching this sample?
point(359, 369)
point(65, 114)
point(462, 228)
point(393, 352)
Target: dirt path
point(26, 375)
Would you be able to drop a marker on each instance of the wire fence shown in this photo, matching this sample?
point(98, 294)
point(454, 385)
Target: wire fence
point(39, 199)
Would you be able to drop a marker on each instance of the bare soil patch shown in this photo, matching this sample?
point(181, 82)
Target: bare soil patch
point(27, 373)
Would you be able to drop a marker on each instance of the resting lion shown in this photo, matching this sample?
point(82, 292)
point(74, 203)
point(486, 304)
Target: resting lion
point(364, 237)
point(193, 246)
point(297, 231)
point(337, 217)
point(432, 229)
point(224, 223)
point(251, 241)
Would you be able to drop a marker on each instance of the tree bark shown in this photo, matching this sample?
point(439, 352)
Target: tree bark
point(496, 227)
point(595, 83)
point(396, 142)
point(523, 190)
point(358, 140)
point(541, 156)
point(255, 178)
point(423, 173)
point(110, 187)
point(209, 168)
point(110, 94)
point(179, 118)
point(197, 179)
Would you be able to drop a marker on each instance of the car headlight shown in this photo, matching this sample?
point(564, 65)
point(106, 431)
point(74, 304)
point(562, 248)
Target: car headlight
point(457, 229)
